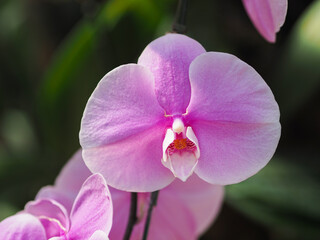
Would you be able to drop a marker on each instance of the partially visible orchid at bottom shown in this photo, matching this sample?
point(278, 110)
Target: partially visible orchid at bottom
point(184, 210)
point(87, 217)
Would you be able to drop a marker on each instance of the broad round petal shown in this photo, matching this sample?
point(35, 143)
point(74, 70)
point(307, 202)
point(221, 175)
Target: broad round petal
point(203, 199)
point(267, 16)
point(235, 117)
point(122, 105)
point(92, 209)
point(133, 164)
point(22, 227)
point(233, 152)
point(168, 58)
point(224, 88)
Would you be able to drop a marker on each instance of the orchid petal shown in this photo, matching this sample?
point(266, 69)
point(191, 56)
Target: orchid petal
point(67, 184)
point(182, 164)
point(192, 137)
point(267, 16)
point(99, 235)
point(234, 116)
point(92, 209)
point(133, 164)
point(22, 227)
point(121, 207)
point(224, 88)
point(52, 215)
point(203, 199)
point(233, 152)
point(65, 198)
point(122, 105)
point(171, 219)
point(168, 139)
point(196, 205)
point(67, 180)
point(168, 58)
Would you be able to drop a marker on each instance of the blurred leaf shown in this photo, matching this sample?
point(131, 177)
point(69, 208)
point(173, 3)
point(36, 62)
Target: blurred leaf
point(6, 210)
point(11, 17)
point(17, 133)
point(75, 51)
point(283, 196)
point(300, 72)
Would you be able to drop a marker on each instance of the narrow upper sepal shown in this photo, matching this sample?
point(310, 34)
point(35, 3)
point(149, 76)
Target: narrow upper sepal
point(169, 58)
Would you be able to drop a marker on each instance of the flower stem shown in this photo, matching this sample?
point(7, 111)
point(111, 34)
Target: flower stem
point(152, 204)
point(132, 216)
point(179, 26)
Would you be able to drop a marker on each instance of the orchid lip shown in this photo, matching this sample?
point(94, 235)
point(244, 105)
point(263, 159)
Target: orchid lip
point(180, 150)
point(64, 230)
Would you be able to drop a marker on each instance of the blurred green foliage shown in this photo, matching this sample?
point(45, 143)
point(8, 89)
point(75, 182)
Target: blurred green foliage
point(53, 53)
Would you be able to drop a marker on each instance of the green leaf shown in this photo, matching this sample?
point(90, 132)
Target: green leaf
point(6, 210)
point(299, 70)
point(76, 49)
point(282, 196)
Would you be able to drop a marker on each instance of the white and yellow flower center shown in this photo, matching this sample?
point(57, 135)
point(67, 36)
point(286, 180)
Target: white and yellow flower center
point(180, 150)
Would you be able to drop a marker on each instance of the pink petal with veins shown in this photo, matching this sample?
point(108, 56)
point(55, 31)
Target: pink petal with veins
point(52, 215)
point(122, 105)
point(267, 16)
point(61, 196)
point(92, 209)
point(203, 199)
point(133, 164)
point(169, 58)
point(235, 117)
point(226, 89)
point(22, 226)
point(122, 130)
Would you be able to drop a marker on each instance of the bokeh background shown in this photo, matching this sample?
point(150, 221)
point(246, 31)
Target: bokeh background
point(54, 52)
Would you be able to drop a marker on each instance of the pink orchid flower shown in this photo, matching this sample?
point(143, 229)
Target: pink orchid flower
point(45, 218)
point(179, 110)
point(184, 210)
point(267, 16)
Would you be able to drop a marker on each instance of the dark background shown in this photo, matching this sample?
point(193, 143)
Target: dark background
point(54, 52)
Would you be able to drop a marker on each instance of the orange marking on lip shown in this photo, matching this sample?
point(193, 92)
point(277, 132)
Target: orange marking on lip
point(180, 143)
